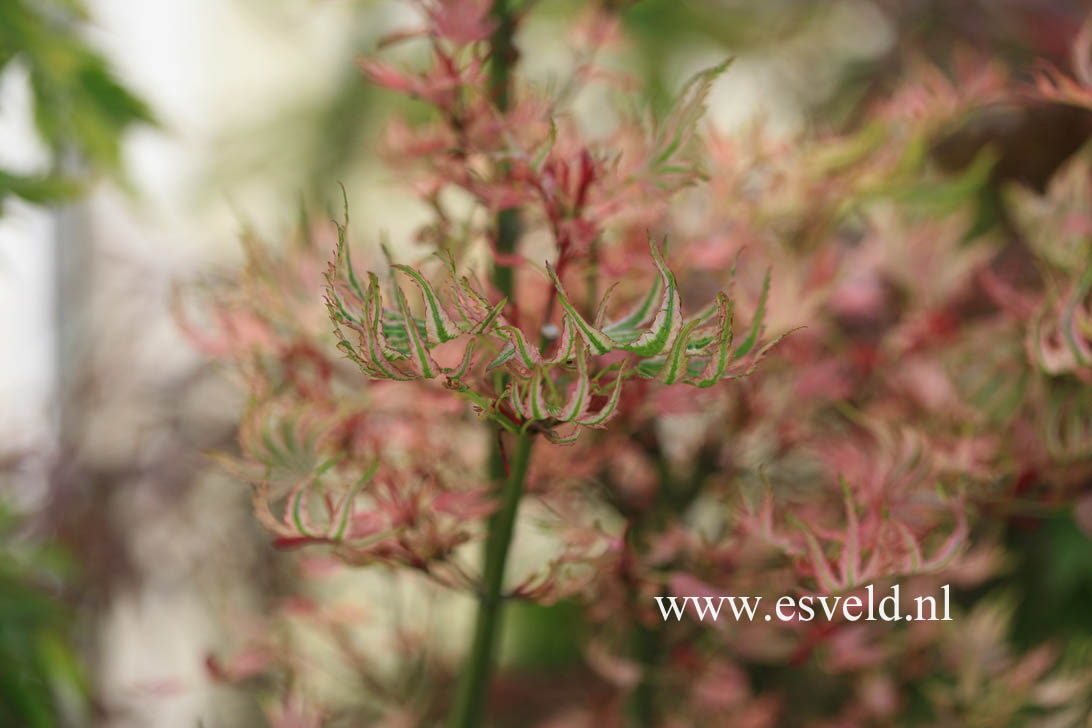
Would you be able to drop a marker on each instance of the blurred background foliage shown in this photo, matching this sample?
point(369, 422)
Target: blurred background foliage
point(81, 111)
point(80, 108)
point(43, 681)
point(823, 62)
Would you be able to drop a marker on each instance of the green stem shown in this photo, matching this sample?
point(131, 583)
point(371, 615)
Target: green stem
point(469, 708)
point(507, 235)
point(503, 53)
point(503, 56)
point(647, 652)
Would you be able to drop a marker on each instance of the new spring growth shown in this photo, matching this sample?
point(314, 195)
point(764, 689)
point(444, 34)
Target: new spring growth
point(553, 390)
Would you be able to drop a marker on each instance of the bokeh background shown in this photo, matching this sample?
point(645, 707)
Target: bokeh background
point(137, 139)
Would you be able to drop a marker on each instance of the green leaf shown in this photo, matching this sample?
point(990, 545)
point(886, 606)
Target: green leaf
point(299, 515)
point(599, 342)
point(688, 110)
point(538, 406)
point(544, 152)
point(439, 326)
point(341, 521)
point(528, 356)
point(756, 324)
point(638, 316)
point(665, 327)
point(600, 418)
point(457, 373)
point(422, 361)
point(374, 338)
point(581, 395)
point(718, 362)
point(675, 363)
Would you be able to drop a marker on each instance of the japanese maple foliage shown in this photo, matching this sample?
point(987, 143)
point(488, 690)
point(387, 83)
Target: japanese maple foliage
point(832, 374)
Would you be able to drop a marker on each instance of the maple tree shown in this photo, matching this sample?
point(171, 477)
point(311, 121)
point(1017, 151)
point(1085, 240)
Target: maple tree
point(832, 375)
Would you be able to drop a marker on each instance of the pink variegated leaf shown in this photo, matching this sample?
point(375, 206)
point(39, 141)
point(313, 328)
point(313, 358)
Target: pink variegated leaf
point(527, 355)
point(601, 312)
point(297, 512)
point(721, 344)
point(559, 439)
point(339, 520)
point(638, 316)
point(515, 398)
point(422, 361)
point(824, 574)
point(456, 373)
point(609, 409)
point(952, 545)
point(471, 504)
point(375, 347)
point(440, 327)
point(667, 323)
point(565, 345)
point(676, 360)
point(681, 123)
point(1053, 85)
point(850, 562)
point(580, 396)
point(536, 398)
point(596, 340)
point(462, 21)
point(914, 559)
point(756, 325)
